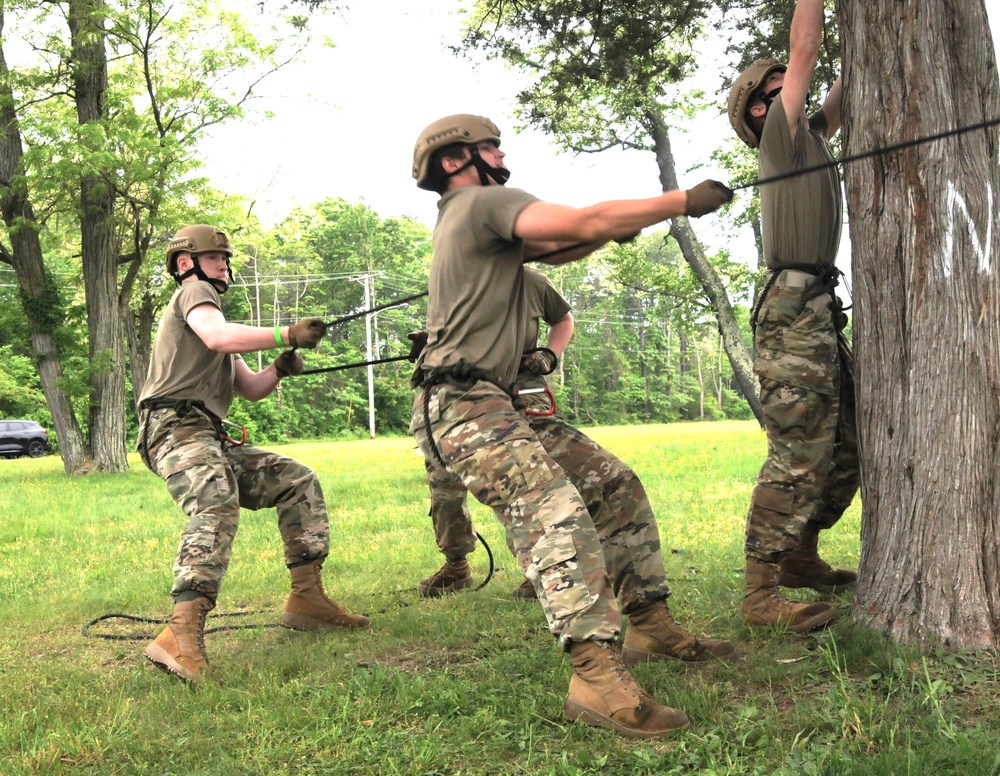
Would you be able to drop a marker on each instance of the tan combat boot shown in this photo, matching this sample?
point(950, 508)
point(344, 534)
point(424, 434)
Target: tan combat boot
point(603, 693)
point(653, 634)
point(764, 605)
point(454, 575)
point(802, 567)
point(525, 591)
point(180, 647)
point(308, 608)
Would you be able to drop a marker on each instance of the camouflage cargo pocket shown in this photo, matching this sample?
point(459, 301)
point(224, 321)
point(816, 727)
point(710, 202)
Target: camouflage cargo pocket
point(199, 486)
point(187, 445)
point(801, 351)
point(507, 469)
point(554, 564)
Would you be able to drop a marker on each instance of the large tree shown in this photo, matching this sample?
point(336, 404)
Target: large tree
point(925, 233)
point(109, 105)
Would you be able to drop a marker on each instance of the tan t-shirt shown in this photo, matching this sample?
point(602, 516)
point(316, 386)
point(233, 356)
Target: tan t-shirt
point(182, 366)
point(542, 301)
point(800, 217)
point(476, 306)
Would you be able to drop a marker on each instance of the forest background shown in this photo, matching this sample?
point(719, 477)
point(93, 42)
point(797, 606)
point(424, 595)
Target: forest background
point(647, 345)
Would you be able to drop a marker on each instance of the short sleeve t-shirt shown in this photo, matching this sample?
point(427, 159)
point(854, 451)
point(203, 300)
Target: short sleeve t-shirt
point(801, 217)
point(182, 366)
point(542, 301)
point(476, 303)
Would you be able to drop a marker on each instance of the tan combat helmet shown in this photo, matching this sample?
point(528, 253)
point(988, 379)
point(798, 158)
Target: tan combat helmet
point(460, 128)
point(199, 238)
point(743, 90)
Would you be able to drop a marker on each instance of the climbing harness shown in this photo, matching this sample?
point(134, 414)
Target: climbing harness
point(183, 406)
point(827, 277)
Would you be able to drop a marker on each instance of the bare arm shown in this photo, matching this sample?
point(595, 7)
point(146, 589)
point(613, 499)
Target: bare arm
point(208, 322)
point(556, 253)
point(804, 42)
point(560, 334)
point(546, 221)
point(254, 386)
point(831, 108)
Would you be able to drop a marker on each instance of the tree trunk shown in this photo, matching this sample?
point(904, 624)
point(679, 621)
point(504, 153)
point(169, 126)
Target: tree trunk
point(139, 335)
point(38, 295)
point(97, 240)
point(927, 336)
point(711, 283)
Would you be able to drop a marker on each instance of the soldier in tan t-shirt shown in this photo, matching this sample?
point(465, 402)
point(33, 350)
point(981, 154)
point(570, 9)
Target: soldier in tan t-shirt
point(465, 418)
point(811, 472)
point(194, 370)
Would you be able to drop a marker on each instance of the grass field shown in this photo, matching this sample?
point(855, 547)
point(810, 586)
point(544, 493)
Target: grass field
point(471, 684)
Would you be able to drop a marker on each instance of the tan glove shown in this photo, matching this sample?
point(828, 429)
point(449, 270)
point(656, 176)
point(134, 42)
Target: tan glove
point(289, 362)
point(418, 341)
point(707, 197)
point(540, 361)
point(306, 333)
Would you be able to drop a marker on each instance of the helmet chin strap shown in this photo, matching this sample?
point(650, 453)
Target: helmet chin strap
point(220, 285)
point(768, 97)
point(499, 174)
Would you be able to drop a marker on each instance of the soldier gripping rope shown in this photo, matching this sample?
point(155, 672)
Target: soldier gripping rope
point(609, 487)
point(804, 363)
point(195, 368)
point(464, 417)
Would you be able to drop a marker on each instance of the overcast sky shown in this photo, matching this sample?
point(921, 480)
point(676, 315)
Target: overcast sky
point(346, 119)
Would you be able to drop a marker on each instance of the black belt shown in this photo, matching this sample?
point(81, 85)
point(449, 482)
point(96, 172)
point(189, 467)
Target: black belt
point(184, 406)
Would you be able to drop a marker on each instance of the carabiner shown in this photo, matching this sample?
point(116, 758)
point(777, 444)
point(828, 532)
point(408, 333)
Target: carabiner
point(538, 413)
point(229, 439)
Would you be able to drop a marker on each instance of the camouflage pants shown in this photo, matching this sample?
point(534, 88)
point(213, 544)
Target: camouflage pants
point(577, 563)
point(811, 473)
point(211, 480)
point(613, 494)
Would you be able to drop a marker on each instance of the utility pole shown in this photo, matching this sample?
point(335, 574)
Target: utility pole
point(368, 354)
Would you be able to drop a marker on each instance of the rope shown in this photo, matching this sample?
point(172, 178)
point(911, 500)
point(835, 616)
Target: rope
point(491, 570)
point(866, 154)
point(355, 365)
point(377, 308)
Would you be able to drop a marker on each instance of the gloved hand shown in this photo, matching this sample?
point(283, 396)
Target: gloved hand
point(306, 333)
point(288, 362)
point(540, 361)
point(707, 197)
point(418, 340)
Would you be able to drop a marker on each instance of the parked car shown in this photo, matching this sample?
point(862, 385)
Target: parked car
point(23, 437)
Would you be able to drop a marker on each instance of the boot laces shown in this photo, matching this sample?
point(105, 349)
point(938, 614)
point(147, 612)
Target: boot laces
point(622, 675)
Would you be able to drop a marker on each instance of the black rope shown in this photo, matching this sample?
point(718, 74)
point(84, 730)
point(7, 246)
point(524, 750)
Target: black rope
point(354, 365)
point(866, 154)
point(377, 308)
point(491, 570)
point(163, 621)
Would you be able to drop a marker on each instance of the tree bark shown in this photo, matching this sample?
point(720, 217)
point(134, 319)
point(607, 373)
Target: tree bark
point(711, 283)
point(37, 292)
point(97, 234)
point(925, 234)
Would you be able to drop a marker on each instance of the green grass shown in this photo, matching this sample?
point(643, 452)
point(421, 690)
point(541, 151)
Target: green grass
point(471, 684)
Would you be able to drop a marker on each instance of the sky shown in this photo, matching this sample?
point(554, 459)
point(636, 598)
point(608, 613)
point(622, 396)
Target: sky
point(345, 119)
